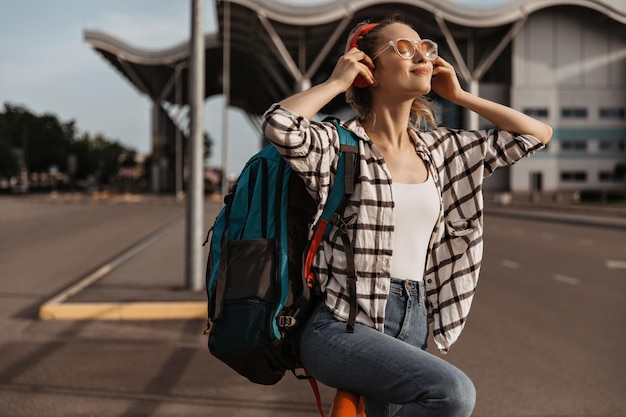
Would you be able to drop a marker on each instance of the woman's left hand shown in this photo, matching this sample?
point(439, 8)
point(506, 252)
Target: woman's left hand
point(445, 82)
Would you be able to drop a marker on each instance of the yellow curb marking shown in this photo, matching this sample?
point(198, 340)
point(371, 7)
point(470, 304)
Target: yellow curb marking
point(125, 311)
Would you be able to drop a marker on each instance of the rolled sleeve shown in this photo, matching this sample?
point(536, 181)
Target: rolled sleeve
point(310, 148)
point(502, 148)
point(286, 130)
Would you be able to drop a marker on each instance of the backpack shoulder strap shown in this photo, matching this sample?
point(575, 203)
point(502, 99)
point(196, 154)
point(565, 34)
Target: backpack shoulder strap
point(347, 169)
point(349, 148)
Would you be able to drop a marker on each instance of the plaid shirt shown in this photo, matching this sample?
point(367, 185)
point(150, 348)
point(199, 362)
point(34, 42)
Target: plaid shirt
point(457, 160)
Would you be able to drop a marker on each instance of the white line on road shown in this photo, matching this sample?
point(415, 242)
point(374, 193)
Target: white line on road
point(565, 279)
point(509, 264)
point(612, 264)
point(108, 267)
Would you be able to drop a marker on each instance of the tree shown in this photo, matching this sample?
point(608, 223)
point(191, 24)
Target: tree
point(108, 156)
point(43, 140)
point(99, 157)
point(9, 166)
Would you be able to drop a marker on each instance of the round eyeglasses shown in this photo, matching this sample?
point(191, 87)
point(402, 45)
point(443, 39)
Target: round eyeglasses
point(406, 48)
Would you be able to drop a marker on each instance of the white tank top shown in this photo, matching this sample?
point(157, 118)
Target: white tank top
point(416, 208)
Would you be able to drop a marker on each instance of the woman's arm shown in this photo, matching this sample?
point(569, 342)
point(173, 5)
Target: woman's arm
point(446, 84)
point(308, 103)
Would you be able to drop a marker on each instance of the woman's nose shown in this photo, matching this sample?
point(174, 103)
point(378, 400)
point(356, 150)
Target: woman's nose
point(419, 56)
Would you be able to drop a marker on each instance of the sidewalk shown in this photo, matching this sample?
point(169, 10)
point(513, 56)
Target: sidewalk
point(563, 211)
point(143, 282)
point(146, 281)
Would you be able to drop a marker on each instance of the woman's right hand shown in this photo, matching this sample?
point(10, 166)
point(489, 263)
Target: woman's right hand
point(307, 103)
point(352, 64)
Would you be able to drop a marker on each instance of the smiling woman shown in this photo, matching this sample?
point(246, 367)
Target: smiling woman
point(398, 270)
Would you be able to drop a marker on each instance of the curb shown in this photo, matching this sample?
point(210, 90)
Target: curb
point(168, 310)
point(57, 308)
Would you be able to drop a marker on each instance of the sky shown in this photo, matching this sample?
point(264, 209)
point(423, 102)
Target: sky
point(46, 66)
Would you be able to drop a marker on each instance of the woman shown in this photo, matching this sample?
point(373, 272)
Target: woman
point(415, 219)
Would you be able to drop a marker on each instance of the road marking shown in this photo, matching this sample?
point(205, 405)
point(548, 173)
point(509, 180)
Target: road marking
point(585, 242)
point(565, 279)
point(105, 269)
point(149, 310)
point(82, 284)
point(509, 264)
point(612, 264)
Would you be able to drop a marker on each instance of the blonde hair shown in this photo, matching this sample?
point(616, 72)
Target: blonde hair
point(360, 99)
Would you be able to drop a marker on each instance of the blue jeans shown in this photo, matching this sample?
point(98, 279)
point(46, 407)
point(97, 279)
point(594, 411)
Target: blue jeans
point(391, 370)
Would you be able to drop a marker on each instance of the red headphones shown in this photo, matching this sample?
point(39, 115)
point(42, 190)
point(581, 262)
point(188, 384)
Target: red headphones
point(360, 81)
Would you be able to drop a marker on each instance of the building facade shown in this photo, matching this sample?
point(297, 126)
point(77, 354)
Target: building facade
point(569, 70)
point(561, 61)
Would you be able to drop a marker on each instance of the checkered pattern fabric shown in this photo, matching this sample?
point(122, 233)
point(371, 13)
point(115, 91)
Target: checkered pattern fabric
point(457, 160)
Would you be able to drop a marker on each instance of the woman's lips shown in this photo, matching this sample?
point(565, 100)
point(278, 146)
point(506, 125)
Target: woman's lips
point(421, 71)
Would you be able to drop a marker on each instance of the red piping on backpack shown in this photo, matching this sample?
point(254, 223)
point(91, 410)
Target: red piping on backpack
point(315, 244)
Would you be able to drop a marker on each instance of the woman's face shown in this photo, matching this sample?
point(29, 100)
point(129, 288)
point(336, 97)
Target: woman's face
point(397, 75)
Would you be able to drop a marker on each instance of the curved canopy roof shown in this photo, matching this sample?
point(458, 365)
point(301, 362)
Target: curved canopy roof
point(277, 47)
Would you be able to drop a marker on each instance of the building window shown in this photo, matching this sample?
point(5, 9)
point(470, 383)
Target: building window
point(574, 113)
point(536, 112)
point(612, 146)
point(613, 113)
point(607, 176)
point(573, 176)
point(573, 145)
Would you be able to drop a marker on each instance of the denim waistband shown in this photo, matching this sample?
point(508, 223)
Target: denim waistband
point(411, 289)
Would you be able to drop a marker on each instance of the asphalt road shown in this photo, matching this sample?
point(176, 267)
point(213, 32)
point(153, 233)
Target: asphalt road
point(545, 338)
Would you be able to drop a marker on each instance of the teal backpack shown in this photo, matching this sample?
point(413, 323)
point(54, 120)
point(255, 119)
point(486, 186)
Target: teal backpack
point(259, 286)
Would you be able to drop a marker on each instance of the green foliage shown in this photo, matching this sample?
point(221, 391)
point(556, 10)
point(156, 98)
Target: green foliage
point(8, 160)
point(45, 141)
point(41, 142)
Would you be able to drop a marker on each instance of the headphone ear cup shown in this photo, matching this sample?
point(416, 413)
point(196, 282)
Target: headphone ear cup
point(360, 81)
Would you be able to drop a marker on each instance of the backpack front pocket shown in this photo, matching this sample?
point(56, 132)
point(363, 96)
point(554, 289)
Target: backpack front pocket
point(250, 269)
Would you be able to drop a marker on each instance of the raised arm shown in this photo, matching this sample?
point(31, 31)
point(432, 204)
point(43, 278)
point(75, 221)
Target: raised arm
point(308, 103)
point(446, 84)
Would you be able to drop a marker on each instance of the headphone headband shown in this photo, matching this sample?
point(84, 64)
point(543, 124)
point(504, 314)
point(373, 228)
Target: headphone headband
point(362, 31)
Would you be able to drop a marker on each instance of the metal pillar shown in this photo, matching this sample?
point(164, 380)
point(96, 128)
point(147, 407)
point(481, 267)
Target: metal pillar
point(226, 94)
point(156, 149)
point(179, 138)
point(195, 195)
point(472, 120)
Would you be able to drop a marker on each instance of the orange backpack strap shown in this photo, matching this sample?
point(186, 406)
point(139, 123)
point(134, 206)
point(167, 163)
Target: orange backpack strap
point(316, 392)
